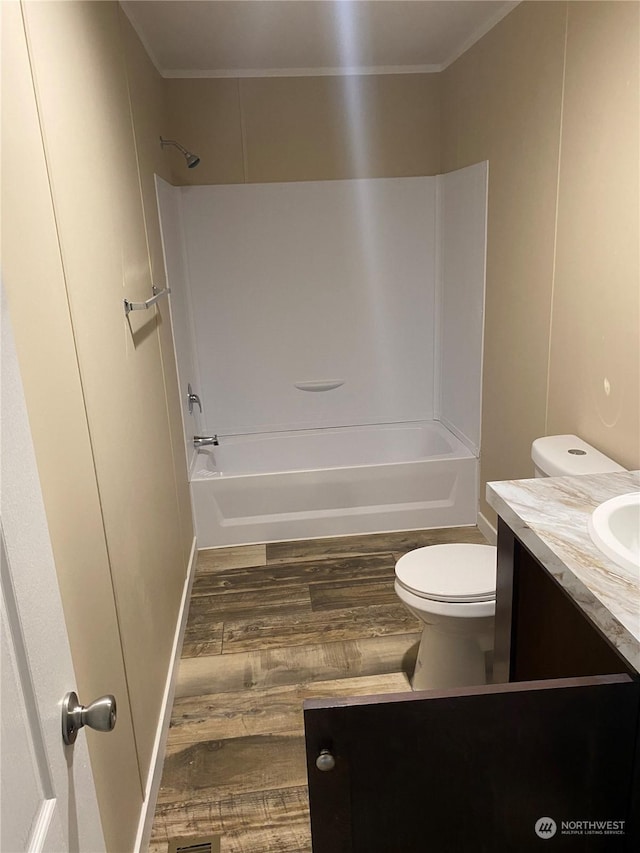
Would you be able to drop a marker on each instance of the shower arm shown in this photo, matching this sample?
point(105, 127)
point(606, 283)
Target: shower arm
point(164, 142)
point(191, 158)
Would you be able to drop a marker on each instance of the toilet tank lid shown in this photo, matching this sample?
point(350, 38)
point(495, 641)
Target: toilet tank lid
point(566, 455)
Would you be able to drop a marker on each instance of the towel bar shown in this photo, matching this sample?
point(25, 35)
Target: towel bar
point(141, 306)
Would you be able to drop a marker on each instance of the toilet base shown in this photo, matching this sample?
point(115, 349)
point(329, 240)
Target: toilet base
point(451, 659)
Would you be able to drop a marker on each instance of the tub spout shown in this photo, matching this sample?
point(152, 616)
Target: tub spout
point(204, 440)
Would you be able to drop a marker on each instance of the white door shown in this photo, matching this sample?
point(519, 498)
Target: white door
point(47, 794)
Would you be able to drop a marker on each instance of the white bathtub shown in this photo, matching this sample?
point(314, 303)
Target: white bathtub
point(332, 482)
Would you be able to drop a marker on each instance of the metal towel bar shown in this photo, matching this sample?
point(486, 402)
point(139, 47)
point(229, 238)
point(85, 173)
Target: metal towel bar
point(141, 306)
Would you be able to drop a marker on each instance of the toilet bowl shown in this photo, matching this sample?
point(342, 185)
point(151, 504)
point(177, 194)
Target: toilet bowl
point(451, 588)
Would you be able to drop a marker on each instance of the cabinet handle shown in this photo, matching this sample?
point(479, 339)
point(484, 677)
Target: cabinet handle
point(325, 761)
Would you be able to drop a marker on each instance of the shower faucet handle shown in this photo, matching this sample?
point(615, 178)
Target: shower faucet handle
point(193, 398)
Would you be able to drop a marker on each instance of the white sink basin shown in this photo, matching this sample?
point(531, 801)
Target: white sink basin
point(614, 527)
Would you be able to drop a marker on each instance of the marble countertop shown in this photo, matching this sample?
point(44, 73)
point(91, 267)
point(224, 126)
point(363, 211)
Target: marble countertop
point(549, 515)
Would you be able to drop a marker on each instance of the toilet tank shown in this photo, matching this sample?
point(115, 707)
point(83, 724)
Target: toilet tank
point(564, 455)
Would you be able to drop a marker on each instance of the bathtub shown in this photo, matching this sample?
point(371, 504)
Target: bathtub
point(332, 482)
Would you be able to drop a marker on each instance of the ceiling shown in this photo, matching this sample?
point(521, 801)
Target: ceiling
point(234, 38)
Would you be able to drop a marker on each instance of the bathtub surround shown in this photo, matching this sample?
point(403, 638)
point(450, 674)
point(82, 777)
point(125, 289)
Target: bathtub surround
point(174, 262)
point(377, 285)
point(461, 224)
point(297, 282)
point(349, 307)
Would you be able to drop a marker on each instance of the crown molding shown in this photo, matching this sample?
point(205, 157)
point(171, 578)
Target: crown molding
point(479, 33)
point(172, 73)
point(127, 8)
point(369, 70)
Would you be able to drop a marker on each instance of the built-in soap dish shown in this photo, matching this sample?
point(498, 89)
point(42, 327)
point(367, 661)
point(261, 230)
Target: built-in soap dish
point(319, 385)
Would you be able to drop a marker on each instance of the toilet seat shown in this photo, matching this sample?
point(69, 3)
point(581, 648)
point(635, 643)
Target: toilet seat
point(458, 573)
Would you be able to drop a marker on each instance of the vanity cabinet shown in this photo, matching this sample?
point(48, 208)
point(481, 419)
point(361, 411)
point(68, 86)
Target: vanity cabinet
point(474, 769)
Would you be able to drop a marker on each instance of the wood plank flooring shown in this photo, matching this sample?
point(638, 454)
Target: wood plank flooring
point(269, 626)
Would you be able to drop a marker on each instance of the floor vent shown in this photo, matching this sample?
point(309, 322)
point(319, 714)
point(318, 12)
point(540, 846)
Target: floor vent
point(206, 844)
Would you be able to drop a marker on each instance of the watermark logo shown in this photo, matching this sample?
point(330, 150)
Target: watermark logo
point(546, 827)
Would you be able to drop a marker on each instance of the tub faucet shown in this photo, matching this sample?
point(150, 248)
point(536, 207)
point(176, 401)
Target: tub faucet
point(204, 440)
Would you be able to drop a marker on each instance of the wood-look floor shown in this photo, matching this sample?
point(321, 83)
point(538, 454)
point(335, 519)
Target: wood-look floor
point(269, 626)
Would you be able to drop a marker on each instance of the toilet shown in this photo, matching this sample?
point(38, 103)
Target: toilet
point(451, 588)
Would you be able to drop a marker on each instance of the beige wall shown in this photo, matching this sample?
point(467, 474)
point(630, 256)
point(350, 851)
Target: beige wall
point(148, 108)
point(501, 101)
point(34, 280)
point(562, 303)
point(594, 368)
point(305, 128)
point(101, 389)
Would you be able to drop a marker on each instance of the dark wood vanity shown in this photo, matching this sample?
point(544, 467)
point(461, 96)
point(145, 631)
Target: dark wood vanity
point(555, 736)
point(540, 631)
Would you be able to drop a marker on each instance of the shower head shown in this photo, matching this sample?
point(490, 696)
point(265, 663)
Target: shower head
point(192, 159)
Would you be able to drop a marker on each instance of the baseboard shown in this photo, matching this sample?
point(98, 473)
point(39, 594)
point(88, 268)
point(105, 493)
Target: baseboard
point(487, 529)
point(157, 756)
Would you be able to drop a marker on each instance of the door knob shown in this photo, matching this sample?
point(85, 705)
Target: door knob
point(325, 761)
point(99, 715)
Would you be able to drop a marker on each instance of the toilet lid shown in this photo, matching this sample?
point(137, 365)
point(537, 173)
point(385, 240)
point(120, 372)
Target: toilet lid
point(457, 572)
